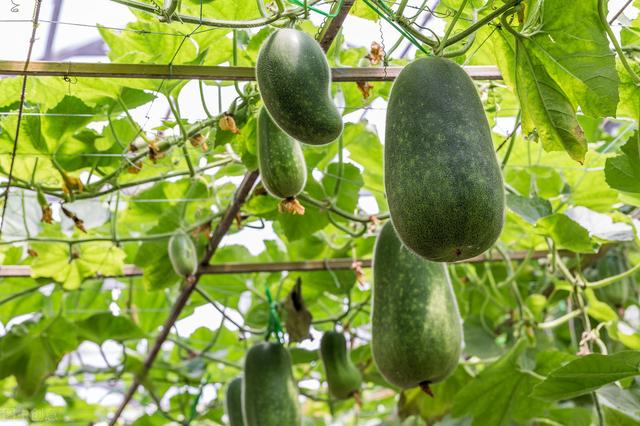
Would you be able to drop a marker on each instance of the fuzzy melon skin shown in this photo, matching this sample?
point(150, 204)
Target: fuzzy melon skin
point(294, 80)
point(233, 402)
point(442, 179)
point(416, 326)
point(344, 378)
point(183, 254)
point(269, 391)
point(280, 159)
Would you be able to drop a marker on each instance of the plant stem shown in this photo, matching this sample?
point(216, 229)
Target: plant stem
point(220, 23)
point(514, 284)
point(131, 120)
point(340, 317)
point(401, 7)
point(183, 133)
point(603, 19)
point(598, 409)
point(614, 279)
point(475, 27)
point(454, 21)
point(559, 321)
point(512, 139)
point(213, 303)
point(327, 205)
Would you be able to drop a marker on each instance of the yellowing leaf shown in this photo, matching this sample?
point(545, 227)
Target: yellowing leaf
point(70, 269)
point(574, 48)
point(546, 109)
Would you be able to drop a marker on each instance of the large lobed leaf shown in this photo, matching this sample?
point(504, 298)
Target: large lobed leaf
point(587, 374)
point(499, 394)
point(574, 49)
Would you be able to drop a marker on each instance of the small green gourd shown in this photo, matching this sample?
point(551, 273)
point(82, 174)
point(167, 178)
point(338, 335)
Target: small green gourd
point(183, 254)
point(269, 391)
point(233, 402)
point(343, 377)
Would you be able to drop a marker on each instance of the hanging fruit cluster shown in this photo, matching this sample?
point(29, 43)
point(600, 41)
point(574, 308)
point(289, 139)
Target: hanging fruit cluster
point(450, 211)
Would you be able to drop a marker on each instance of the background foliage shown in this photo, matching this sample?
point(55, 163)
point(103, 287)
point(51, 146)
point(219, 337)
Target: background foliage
point(94, 190)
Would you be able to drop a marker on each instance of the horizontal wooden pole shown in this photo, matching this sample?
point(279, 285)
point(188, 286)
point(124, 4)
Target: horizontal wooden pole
point(200, 72)
point(7, 271)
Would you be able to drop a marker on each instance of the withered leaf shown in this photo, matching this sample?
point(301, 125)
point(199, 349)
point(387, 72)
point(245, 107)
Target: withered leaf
point(297, 316)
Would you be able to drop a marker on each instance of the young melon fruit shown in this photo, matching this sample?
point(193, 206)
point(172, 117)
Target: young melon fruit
point(183, 254)
point(294, 80)
point(344, 378)
point(233, 402)
point(281, 163)
point(442, 178)
point(269, 391)
point(416, 327)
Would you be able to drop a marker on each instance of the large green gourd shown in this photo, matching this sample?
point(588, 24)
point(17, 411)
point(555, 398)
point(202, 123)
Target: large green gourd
point(233, 402)
point(344, 378)
point(442, 178)
point(280, 159)
point(416, 326)
point(269, 392)
point(294, 79)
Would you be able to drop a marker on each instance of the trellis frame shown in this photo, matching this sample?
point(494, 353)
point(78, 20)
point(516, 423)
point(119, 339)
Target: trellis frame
point(202, 72)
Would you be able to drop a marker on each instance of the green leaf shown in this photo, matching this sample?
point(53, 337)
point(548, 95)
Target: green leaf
point(303, 356)
point(228, 288)
point(587, 374)
point(101, 327)
point(622, 406)
point(623, 171)
point(577, 416)
point(416, 402)
point(478, 341)
point(572, 45)
point(625, 334)
point(81, 303)
point(365, 148)
point(349, 181)
point(566, 233)
point(629, 105)
point(76, 115)
point(31, 302)
point(529, 208)
point(499, 394)
point(546, 108)
point(32, 350)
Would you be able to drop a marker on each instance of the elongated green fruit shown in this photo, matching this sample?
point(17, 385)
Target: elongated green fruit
point(269, 391)
point(183, 254)
point(233, 402)
point(280, 159)
point(442, 178)
point(416, 326)
point(294, 80)
point(344, 378)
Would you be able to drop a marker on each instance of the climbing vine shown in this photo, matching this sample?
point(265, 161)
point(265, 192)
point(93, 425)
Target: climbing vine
point(94, 319)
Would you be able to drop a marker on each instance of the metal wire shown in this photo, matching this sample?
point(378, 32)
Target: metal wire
point(36, 17)
point(96, 26)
